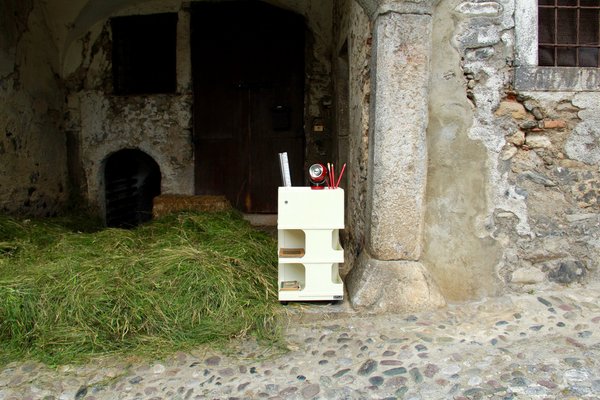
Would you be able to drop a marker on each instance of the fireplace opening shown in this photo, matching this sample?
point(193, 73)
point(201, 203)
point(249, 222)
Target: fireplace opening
point(132, 180)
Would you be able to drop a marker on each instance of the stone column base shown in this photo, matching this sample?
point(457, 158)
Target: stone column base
point(377, 286)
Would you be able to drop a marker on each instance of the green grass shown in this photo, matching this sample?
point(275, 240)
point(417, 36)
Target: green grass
point(175, 283)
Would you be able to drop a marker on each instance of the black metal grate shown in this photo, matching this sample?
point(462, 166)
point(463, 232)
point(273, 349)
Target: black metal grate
point(132, 180)
point(122, 202)
point(569, 33)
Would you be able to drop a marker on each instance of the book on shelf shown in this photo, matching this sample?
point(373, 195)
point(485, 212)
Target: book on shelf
point(290, 285)
point(288, 252)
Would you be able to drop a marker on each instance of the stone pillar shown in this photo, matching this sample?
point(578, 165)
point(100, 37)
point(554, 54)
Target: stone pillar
point(389, 277)
point(397, 148)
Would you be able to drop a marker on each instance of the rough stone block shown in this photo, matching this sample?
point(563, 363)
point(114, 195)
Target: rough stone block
point(382, 7)
point(566, 271)
point(527, 276)
point(515, 109)
point(518, 138)
point(538, 178)
point(474, 9)
point(509, 152)
point(398, 155)
point(478, 36)
point(587, 193)
point(528, 124)
point(555, 124)
point(484, 53)
point(538, 141)
point(170, 203)
point(377, 286)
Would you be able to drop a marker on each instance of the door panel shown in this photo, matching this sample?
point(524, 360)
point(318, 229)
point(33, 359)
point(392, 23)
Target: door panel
point(248, 70)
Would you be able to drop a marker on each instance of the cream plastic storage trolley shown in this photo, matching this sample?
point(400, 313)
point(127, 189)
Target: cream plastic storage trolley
point(308, 225)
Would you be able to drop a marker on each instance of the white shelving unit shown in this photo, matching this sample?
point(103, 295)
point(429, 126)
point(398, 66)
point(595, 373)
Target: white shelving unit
point(308, 225)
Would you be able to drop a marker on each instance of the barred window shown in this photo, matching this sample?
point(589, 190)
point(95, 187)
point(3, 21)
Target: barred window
point(568, 33)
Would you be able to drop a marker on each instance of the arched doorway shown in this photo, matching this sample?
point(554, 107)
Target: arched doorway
point(248, 72)
point(131, 181)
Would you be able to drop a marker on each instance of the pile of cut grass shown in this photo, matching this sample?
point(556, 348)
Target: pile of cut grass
point(177, 282)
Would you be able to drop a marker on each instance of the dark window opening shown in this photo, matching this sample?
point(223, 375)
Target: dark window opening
point(144, 53)
point(132, 180)
point(568, 33)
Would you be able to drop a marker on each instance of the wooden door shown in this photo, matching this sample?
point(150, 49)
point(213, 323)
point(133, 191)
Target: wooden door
point(248, 72)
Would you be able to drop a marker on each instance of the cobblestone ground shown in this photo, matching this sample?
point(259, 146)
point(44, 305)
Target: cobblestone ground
point(544, 345)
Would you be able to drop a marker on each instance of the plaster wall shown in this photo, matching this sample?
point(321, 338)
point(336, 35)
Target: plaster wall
point(512, 192)
point(33, 176)
point(458, 251)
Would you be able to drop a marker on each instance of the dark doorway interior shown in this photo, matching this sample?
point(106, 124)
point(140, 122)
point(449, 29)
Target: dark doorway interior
point(248, 71)
point(132, 180)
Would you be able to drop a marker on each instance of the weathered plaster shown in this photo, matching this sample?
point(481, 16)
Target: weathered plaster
point(32, 147)
point(457, 252)
point(583, 143)
point(158, 125)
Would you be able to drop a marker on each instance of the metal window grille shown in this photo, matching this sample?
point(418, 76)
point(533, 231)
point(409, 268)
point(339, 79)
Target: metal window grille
point(569, 33)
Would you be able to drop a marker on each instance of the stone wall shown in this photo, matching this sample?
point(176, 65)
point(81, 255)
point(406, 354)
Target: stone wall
point(513, 176)
point(551, 156)
point(161, 125)
point(33, 179)
point(61, 116)
point(352, 36)
point(100, 123)
point(510, 175)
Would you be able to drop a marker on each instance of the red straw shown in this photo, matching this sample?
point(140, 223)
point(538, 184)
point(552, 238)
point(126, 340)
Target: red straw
point(340, 177)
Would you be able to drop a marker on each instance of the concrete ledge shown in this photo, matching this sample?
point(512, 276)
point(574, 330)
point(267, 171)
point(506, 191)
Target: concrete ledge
point(556, 78)
point(376, 286)
point(170, 203)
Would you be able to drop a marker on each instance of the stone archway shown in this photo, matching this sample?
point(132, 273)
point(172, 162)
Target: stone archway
point(131, 180)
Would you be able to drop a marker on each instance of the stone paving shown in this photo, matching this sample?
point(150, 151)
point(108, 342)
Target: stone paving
point(543, 345)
